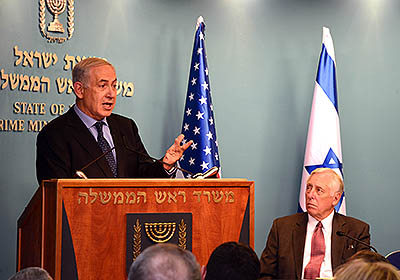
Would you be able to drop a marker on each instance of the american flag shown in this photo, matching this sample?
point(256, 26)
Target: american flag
point(198, 121)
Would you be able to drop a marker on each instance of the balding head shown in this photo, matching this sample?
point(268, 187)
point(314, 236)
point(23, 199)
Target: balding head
point(165, 262)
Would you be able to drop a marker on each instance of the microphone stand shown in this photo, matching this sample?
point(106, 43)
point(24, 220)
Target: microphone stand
point(208, 173)
point(80, 174)
point(341, 233)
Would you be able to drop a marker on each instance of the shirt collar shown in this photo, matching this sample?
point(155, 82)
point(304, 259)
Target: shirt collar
point(326, 223)
point(88, 121)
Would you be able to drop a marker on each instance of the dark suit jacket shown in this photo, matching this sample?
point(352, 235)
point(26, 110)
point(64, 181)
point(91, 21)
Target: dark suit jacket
point(282, 257)
point(65, 145)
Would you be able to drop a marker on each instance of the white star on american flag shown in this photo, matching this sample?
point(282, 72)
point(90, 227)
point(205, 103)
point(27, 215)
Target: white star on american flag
point(211, 121)
point(191, 96)
point(196, 66)
point(193, 81)
point(196, 130)
point(186, 127)
point(206, 70)
point(204, 85)
point(201, 35)
point(199, 50)
point(203, 100)
point(182, 157)
point(199, 115)
point(209, 135)
point(216, 156)
point(191, 161)
point(207, 150)
point(188, 112)
point(204, 165)
point(194, 146)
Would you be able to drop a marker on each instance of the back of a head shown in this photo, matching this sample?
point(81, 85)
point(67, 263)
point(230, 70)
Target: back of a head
point(232, 260)
point(368, 256)
point(31, 273)
point(360, 269)
point(165, 262)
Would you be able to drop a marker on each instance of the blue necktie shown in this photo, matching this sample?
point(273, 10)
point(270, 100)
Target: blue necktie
point(105, 147)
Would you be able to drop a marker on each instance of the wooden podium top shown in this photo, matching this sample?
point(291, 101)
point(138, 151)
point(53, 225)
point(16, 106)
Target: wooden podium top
point(151, 182)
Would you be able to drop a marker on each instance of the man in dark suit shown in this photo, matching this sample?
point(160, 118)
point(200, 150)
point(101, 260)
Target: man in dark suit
point(90, 129)
point(305, 245)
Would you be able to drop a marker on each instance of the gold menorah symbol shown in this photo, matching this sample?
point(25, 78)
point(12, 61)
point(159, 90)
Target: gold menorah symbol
point(56, 7)
point(160, 232)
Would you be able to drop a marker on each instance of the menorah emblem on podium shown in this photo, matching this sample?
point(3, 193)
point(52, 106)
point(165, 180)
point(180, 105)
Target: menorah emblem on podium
point(160, 232)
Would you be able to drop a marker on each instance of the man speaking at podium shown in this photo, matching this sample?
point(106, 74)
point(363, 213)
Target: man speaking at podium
point(308, 245)
point(90, 137)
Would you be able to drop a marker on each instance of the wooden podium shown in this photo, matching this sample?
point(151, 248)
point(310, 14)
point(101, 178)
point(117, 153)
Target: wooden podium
point(78, 228)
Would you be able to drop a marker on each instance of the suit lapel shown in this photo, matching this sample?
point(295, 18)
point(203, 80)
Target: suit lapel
point(338, 243)
point(88, 143)
point(299, 238)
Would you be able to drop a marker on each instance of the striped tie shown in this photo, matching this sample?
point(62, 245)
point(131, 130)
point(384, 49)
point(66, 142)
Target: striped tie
point(317, 253)
point(106, 147)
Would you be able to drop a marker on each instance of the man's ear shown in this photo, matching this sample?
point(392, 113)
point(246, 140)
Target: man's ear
point(336, 198)
point(78, 88)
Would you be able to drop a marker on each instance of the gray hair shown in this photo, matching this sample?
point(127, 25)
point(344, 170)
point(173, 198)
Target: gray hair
point(360, 269)
point(31, 273)
point(336, 178)
point(80, 73)
point(165, 262)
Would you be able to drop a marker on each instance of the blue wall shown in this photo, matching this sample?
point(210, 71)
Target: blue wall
point(262, 57)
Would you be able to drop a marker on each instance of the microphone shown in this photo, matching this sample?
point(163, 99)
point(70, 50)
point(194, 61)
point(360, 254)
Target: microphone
point(341, 233)
point(208, 173)
point(80, 174)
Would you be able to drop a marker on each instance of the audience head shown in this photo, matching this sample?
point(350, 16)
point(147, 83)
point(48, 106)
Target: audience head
point(31, 273)
point(165, 262)
point(360, 269)
point(232, 260)
point(368, 256)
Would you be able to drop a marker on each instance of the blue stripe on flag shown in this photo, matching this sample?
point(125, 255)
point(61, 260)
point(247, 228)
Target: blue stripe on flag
point(337, 207)
point(326, 76)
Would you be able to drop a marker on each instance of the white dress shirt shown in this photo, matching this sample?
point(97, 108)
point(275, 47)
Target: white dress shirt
point(326, 266)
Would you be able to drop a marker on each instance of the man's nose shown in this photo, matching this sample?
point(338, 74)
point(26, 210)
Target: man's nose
point(310, 194)
point(111, 92)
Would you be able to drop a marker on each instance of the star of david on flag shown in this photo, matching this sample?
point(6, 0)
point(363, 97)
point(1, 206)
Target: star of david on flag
point(323, 149)
point(198, 121)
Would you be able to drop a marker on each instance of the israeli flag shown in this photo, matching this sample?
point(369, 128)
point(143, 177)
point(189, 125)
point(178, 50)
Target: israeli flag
point(323, 147)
